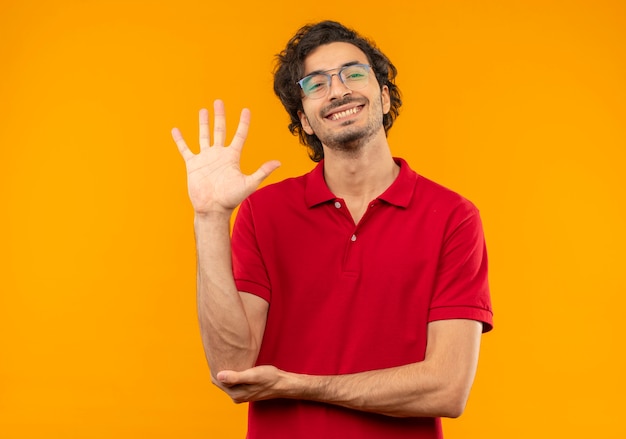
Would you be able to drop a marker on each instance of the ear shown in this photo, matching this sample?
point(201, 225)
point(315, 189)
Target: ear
point(385, 99)
point(304, 121)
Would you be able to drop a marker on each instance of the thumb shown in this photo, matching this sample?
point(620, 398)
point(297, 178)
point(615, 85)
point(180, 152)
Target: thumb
point(226, 377)
point(264, 171)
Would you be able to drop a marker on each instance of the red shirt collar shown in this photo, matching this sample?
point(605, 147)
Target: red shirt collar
point(398, 194)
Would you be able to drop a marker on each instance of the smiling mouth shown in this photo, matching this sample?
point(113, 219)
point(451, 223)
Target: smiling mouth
point(345, 113)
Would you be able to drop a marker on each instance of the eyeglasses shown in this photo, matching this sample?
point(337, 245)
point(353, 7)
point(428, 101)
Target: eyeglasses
point(316, 85)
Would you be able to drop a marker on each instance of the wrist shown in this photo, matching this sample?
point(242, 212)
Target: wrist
point(306, 387)
point(213, 215)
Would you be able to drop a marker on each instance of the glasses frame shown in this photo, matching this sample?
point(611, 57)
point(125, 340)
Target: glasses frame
point(329, 77)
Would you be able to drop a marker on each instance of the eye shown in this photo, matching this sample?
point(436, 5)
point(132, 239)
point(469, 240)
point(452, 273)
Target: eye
point(314, 83)
point(355, 73)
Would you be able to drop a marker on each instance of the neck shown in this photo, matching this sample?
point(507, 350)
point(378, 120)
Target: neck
point(362, 176)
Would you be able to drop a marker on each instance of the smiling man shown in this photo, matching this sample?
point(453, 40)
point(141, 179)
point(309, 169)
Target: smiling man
point(339, 122)
point(351, 300)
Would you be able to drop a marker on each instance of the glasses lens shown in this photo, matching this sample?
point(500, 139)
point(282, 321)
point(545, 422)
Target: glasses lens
point(315, 85)
point(355, 76)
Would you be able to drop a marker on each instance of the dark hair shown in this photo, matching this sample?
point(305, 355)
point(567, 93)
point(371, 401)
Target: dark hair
point(289, 69)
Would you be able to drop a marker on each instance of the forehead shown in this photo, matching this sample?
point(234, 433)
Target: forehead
point(332, 56)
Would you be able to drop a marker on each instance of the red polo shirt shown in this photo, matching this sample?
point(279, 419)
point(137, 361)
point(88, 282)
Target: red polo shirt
point(348, 297)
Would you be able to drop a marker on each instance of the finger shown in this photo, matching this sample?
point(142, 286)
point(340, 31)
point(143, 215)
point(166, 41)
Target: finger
point(242, 129)
point(264, 171)
point(182, 146)
point(227, 378)
point(219, 123)
point(205, 140)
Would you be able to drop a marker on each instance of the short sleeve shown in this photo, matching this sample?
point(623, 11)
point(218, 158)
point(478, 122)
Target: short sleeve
point(249, 268)
point(462, 285)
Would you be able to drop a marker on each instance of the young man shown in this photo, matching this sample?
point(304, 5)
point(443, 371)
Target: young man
point(357, 293)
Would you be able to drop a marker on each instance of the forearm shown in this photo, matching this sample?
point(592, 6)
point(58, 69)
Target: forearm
point(414, 390)
point(436, 387)
point(229, 342)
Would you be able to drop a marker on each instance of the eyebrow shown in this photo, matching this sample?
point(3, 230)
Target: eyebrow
point(316, 72)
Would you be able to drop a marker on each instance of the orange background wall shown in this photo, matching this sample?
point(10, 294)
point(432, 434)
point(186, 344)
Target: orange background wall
point(518, 105)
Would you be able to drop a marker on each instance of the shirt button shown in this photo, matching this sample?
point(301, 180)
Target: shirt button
point(337, 204)
point(353, 238)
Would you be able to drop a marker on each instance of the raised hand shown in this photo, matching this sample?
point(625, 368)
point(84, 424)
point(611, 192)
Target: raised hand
point(214, 178)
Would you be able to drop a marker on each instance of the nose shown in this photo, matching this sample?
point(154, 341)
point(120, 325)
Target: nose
point(337, 88)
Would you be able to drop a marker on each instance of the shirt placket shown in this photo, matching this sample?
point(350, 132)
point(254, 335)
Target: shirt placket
point(352, 252)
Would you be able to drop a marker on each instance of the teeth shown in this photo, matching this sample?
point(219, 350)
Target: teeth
point(341, 114)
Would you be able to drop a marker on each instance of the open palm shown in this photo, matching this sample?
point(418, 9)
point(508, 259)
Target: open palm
point(214, 178)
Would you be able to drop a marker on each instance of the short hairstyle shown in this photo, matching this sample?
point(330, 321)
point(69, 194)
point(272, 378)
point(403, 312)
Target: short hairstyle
point(289, 69)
